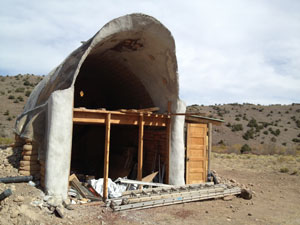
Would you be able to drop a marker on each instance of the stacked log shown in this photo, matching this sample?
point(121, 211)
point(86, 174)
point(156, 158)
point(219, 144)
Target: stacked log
point(29, 164)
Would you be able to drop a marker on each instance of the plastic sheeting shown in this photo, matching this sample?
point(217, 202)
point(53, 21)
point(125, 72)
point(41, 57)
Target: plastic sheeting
point(114, 190)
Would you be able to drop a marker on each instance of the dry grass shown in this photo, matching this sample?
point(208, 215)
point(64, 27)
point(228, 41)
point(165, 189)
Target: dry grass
point(289, 164)
point(263, 149)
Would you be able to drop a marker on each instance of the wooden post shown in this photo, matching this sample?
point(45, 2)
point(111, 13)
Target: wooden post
point(140, 150)
point(106, 156)
point(209, 144)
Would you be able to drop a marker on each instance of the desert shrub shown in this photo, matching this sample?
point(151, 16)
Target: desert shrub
point(298, 135)
point(2, 92)
point(237, 127)
point(249, 134)
point(9, 118)
point(228, 125)
point(245, 149)
point(6, 113)
point(11, 97)
point(20, 90)
point(298, 123)
point(273, 139)
point(284, 143)
point(266, 132)
point(9, 91)
point(284, 170)
point(237, 119)
point(296, 140)
point(276, 132)
point(16, 101)
point(27, 93)
point(21, 99)
point(221, 142)
point(27, 83)
point(252, 123)
point(285, 129)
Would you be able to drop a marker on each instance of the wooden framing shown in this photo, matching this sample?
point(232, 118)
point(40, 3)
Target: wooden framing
point(140, 149)
point(141, 119)
point(106, 155)
point(93, 116)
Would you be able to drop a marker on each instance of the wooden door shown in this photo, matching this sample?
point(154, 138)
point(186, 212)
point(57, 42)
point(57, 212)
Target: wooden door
point(196, 156)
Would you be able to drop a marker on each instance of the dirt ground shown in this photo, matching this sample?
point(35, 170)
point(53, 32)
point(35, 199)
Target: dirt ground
point(276, 198)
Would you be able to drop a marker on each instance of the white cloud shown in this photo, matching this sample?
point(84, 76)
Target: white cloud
point(228, 51)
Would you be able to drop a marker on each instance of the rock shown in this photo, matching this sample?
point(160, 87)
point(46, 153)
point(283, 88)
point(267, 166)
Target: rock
point(206, 211)
point(231, 206)
point(19, 199)
point(14, 213)
point(232, 180)
point(60, 211)
point(228, 198)
point(246, 194)
point(67, 202)
point(54, 201)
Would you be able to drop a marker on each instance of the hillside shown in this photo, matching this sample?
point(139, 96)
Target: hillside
point(266, 129)
point(14, 92)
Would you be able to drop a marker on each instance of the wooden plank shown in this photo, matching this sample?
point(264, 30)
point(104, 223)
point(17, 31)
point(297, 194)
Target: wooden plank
point(140, 148)
point(209, 145)
point(150, 177)
point(122, 119)
point(106, 156)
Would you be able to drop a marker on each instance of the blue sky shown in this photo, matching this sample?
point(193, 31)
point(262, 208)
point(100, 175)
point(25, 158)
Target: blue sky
point(227, 51)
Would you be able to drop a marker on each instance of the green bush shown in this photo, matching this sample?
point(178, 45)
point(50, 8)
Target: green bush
point(252, 123)
point(284, 170)
point(27, 83)
point(236, 127)
point(27, 93)
point(245, 149)
point(20, 90)
point(21, 99)
point(296, 140)
point(249, 134)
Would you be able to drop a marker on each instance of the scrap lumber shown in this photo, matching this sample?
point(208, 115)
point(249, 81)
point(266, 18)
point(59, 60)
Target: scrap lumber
point(127, 181)
point(150, 177)
point(83, 191)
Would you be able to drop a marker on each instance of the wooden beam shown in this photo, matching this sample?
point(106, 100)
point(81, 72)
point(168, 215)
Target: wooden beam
point(140, 149)
point(106, 156)
point(209, 145)
point(99, 117)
